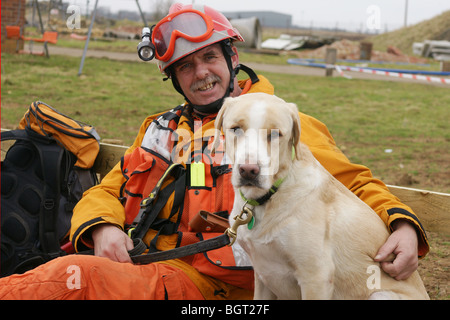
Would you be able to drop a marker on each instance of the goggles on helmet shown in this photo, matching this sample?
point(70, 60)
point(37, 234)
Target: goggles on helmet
point(191, 25)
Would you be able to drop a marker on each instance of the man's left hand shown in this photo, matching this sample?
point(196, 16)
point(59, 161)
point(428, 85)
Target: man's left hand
point(403, 243)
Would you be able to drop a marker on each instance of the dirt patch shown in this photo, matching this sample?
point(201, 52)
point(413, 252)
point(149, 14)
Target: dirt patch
point(434, 268)
point(430, 173)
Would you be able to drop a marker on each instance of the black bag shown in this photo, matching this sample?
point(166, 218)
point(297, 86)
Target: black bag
point(40, 186)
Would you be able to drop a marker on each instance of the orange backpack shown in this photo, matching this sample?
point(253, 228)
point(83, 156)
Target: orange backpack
point(79, 138)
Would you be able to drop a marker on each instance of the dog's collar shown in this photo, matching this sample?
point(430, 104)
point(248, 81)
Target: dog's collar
point(261, 200)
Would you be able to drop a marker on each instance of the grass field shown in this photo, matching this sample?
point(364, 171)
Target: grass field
point(399, 130)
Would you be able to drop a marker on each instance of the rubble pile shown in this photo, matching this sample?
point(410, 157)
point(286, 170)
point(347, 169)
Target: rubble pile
point(350, 50)
point(124, 32)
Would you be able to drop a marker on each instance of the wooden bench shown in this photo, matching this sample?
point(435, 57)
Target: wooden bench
point(432, 208)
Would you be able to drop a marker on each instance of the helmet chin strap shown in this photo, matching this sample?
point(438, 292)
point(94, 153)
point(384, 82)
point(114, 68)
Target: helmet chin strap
point(215, 106)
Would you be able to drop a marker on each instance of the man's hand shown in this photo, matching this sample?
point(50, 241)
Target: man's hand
point(112, 243)
point(402, 243)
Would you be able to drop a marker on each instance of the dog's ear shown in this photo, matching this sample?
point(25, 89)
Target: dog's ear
point(219, 123)
point(296, 129)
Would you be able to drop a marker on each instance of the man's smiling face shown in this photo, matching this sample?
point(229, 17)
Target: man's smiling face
point(203, 76)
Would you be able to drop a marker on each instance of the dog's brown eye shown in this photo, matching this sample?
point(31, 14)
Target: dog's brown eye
point(237, 130)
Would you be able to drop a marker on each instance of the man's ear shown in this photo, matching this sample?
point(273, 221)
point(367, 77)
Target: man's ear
point(235, 57)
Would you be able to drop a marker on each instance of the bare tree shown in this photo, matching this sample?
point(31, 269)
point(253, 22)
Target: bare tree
point(160, 8)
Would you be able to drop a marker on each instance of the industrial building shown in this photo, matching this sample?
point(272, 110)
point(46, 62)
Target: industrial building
point(266, 18)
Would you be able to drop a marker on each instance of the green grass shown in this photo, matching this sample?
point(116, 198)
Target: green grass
point(365, 117)
point(113, 96)
point(117, 45)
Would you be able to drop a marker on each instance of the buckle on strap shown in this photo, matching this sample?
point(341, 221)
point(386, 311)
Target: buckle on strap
point(240, 220)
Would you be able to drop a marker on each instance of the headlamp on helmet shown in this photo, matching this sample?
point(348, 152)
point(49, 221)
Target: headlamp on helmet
point(146, 49)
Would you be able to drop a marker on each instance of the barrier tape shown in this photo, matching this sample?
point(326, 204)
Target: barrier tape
point(340, 70)
point(368, 61)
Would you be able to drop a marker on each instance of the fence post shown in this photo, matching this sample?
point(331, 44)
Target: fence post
point(365, 50)
point(330, 61)
point(445, 66)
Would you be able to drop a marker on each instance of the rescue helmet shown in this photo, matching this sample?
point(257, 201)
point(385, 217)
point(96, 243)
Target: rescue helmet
point(186, 29)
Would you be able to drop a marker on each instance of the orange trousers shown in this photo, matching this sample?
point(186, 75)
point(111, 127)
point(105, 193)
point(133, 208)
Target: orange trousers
point(90, 277)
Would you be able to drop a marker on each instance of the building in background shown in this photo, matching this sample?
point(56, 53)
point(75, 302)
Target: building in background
point(266, 18)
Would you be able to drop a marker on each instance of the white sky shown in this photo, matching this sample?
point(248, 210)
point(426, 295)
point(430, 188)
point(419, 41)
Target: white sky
point(327, 13)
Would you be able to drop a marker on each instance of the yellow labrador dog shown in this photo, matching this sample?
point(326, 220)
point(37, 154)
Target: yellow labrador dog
point(312, 238)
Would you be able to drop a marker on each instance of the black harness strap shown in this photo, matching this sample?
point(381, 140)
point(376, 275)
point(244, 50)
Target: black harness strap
point(199, 247)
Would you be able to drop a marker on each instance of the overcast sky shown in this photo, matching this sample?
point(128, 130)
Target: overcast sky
point(329, 13)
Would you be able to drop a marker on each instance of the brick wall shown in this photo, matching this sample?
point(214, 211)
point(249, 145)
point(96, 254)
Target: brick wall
point(11, 16)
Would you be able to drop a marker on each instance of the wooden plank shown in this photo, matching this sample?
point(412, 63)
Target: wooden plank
point(108, 157)
point(432, 208)
point(5, 146)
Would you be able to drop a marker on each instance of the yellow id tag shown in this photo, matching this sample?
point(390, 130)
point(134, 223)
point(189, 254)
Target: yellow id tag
point(197, 174)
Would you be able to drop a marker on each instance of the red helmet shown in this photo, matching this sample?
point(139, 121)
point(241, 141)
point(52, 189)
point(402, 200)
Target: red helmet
point(188, 28)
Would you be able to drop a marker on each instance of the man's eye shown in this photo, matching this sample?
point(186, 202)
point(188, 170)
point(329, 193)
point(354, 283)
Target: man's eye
point(184, 67)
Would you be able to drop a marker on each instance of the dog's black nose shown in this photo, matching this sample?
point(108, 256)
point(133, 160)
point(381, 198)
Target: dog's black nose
point(249, 171)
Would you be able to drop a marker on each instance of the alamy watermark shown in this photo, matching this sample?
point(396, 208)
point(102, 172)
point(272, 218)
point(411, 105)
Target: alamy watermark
point(74, 20)
point(254, 146)
point(74, 278)
point(373, 282)
point(373, 21)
